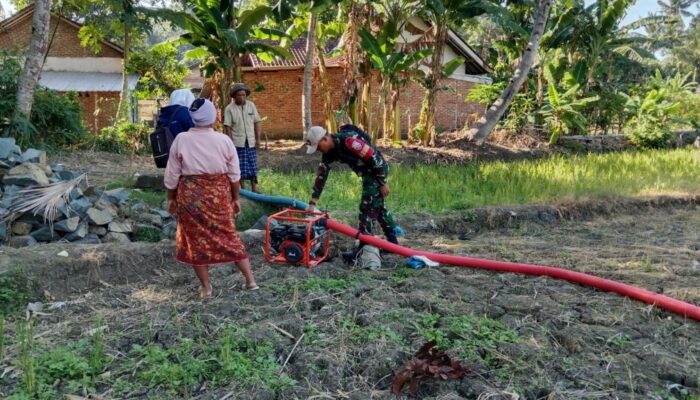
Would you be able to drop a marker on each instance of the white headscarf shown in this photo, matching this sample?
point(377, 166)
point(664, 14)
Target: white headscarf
point(183, 97)
point(205, 114)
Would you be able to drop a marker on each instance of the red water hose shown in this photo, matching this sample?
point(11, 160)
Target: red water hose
point(633, 292)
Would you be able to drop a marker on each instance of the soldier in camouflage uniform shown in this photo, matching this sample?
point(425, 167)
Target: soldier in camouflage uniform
point(352, 146)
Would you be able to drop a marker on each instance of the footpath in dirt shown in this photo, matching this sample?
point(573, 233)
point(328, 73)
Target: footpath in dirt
point(338, 332)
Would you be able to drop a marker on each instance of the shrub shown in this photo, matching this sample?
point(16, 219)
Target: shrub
point(124, 137)
point(55, 118)
point(148, 234)
point(519, 113)
point(650, 125)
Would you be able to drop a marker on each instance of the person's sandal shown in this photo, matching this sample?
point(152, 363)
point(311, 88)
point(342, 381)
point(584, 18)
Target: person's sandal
point(254, 287)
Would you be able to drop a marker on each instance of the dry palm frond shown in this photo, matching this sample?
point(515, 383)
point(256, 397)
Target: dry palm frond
point(46, 199)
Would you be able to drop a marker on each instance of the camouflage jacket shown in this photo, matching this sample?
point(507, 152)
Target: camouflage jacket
point(351, 149)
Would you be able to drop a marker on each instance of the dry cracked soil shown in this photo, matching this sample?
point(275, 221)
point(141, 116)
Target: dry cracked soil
point(339, 332)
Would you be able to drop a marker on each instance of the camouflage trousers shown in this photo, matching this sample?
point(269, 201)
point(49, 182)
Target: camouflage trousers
point(373, 207)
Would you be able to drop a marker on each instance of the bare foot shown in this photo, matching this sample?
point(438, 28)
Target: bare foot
point(205, 292)
point(252, 286)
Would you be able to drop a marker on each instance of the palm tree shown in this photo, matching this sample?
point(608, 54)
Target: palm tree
point(672, 38)
point(318, 32)
point(225, 34)
point(486, 124)
point(308, 67)
point(33, 63)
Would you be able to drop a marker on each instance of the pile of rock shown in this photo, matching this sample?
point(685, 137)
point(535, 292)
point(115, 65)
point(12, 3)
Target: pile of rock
point(92, 215)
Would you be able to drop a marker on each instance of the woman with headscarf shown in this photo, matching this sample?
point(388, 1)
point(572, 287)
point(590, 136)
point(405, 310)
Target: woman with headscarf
point(202, 178)
point(176, 115)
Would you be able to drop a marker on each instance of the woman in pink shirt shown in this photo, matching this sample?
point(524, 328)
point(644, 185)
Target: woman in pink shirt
point(202, 178)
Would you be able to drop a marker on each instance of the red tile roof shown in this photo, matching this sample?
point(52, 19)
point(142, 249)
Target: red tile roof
point(298, 51)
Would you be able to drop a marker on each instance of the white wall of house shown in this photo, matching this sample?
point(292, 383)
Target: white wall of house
point(106, 65)
point(448, 54)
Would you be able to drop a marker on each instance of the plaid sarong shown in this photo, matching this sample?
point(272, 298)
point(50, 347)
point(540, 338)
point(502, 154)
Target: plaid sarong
point(248, 160)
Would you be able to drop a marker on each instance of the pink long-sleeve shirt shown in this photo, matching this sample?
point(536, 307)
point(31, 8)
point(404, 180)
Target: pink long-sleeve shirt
point(201, 151)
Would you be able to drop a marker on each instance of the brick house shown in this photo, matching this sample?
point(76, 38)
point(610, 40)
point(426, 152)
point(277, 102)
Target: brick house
point(282, 80)
point(70, 67)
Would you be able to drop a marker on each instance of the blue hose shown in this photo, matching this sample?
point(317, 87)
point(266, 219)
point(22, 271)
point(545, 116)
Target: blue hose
point(285, 201)
point(289, 202)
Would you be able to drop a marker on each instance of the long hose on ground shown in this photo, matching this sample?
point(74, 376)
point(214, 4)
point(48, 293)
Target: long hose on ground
point(633, 292)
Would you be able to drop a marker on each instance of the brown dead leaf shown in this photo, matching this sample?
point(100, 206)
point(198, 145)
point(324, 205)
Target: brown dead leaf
point(427, 363)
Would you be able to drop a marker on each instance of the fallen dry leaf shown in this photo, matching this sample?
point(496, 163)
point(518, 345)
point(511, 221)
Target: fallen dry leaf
point(427, 363)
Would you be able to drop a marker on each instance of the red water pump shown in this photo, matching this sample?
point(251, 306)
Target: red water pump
point(297, 237)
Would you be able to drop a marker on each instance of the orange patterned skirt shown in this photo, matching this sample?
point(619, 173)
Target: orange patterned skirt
point(206, 232)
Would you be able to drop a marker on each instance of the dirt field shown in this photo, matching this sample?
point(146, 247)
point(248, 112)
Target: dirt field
point(521, 337)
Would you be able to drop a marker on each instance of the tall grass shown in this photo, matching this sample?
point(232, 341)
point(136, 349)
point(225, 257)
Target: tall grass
point(435, 188)
point(2, 337)
point(27, 361)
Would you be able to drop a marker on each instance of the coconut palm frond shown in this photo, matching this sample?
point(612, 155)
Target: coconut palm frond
point(44, 199)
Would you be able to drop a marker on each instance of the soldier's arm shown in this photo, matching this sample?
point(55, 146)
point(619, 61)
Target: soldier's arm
point(324, 169)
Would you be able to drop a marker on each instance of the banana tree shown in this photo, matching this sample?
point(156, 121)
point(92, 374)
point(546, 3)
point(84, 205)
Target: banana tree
point(326, 31)
point(223, 34)
point(395, 68)
point(666, 105)
point(356, 65)
point(441, 14)
point(426, 81)
point(562, 112)
point(650, 116)
point(597, 37)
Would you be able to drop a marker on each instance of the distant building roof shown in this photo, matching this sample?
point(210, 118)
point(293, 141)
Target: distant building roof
point(298, 51)
point(66, 81)
point(473, 64)
point(27, 12)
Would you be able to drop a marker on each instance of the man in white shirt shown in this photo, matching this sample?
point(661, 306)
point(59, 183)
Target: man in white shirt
point(242, 125)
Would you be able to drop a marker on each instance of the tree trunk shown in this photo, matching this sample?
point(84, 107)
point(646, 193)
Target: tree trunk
point(237, 74)
point(307, 121)
point(427, 118)
point(34, 61)
point(352, 58)
point(386, 107)
point(539, 95)
point(124, 99)
point(53, 34)
point(396, 126)
point(325, 89)
point(227, 80)
point(425, 128)
point(499, 107)
point(366, 117)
